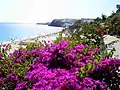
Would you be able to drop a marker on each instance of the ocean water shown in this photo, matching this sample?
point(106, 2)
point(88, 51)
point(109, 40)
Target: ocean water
point(12, 31)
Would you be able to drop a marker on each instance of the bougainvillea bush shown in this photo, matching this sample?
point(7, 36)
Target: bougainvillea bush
point(59, 66)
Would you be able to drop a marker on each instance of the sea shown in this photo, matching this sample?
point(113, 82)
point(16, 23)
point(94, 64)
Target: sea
point(16, 31)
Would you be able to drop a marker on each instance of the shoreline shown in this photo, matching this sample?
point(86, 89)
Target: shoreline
point(15, 44)
point(42, 36)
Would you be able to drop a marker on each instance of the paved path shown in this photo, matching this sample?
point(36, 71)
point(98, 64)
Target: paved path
point(108, 39)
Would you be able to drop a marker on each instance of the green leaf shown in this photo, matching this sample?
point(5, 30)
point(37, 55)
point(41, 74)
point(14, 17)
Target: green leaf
point(90, 66)
point(83, 69)
point(83, 72)
point(98, 57)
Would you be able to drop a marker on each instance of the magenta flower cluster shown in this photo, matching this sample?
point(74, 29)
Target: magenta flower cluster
point(59, 67)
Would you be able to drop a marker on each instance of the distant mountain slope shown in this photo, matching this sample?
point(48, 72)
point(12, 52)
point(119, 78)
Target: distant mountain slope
point(68, 22)
point(63, 22)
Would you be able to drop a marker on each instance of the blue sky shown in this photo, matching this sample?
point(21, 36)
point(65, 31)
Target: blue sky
point(47, 10)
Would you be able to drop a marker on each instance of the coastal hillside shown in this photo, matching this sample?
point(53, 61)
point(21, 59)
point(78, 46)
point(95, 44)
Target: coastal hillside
point(62, 22)
point(68, 22)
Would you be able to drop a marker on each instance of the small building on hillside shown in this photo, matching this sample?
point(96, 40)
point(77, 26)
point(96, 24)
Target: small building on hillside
point(88, 20)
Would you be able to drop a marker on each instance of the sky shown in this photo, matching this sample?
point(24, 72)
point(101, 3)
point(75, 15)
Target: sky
point(31, 11)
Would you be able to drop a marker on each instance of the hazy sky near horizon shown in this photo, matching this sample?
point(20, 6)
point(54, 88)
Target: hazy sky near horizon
point(47, 10)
